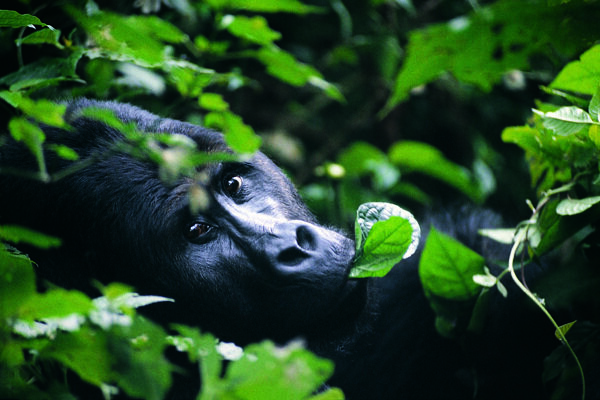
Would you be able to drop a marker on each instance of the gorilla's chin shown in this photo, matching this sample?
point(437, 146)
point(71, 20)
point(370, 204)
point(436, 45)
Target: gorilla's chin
point(349, 320)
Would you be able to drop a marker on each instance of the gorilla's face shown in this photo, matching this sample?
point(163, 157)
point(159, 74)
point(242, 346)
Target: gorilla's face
point(253, 260)
point(246, 262)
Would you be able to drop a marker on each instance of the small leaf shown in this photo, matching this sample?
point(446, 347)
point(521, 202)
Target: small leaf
point(576, 206)
point(254, 29)
point(44, 36)
point(385, 234)
point(64, 152)
point(504, 236)
point(213, 102)
point(594, 107)
point(484, 280)
point(18, 234)
point(563, 329)
point(12, 19)
point(134, 300)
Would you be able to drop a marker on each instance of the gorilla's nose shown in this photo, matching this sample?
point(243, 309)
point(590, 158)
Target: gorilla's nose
point(298, 241)
point(301, 251)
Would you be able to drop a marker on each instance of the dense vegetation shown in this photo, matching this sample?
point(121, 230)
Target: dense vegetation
point(358, 101)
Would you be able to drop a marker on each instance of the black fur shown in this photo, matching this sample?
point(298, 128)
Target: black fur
point(266, 269)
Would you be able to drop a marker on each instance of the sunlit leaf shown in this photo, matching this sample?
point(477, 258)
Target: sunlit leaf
point(566, 120)
point(580, 76)
point(267, 371)
point(447, 267)
point(576, 206)
point(504, 236)
point(385, 234)
point(213, 102)
point(254, 29)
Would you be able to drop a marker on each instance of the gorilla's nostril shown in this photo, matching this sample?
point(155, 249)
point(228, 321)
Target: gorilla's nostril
point(291, 257)
point(305, 238)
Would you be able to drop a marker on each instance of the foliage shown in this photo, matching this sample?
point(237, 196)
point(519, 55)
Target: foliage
point(108, 345)
point(563, 158)
point(237, 66)
point(385, 235)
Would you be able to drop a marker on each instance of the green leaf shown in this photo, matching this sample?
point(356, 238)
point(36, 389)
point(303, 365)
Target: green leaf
point(135, 38)
point(42, 110)
point(200, 347)
point(33, 137)
point(85, 352)
point(55, 303)
point(134, 300)
point(291, 6)
point(213, 102)
point(362, 159)
point(576, 206)
point(12, 19)
point(486, 280)
point(44, 36)
point(239, 136)
point(17, 282)
point(64, 152)
point(18, 234)
point(447, 268)
point(566, 120)
point(329, 394)
point(594, 107)
point(254, 29)
point(504, 236)
point(581, 76)
point(284, 66)
point(44, 72)
point(478, 48)
point(269, 372)
point(421, 157)
point(139, 365)
point(385, 234)
point(564, 329)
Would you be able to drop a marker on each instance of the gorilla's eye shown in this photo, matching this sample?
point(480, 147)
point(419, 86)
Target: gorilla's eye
point(197, 230)
point(233, 184)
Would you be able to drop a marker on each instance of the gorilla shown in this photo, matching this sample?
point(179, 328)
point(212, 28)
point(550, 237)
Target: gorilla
point(251, 262)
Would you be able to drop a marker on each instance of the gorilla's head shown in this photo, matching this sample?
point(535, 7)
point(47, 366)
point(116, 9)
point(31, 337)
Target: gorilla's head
point(233, 244)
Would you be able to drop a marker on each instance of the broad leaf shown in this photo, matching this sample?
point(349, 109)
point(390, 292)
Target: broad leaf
point(385, 234)
point(447, 268)
point(12, 19)
point(566, 120)
point(421, 157)
point(576, 206)
point(581, 76)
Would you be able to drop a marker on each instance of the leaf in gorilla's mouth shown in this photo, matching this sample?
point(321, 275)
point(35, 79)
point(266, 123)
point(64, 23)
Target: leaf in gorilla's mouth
point(385, 234)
